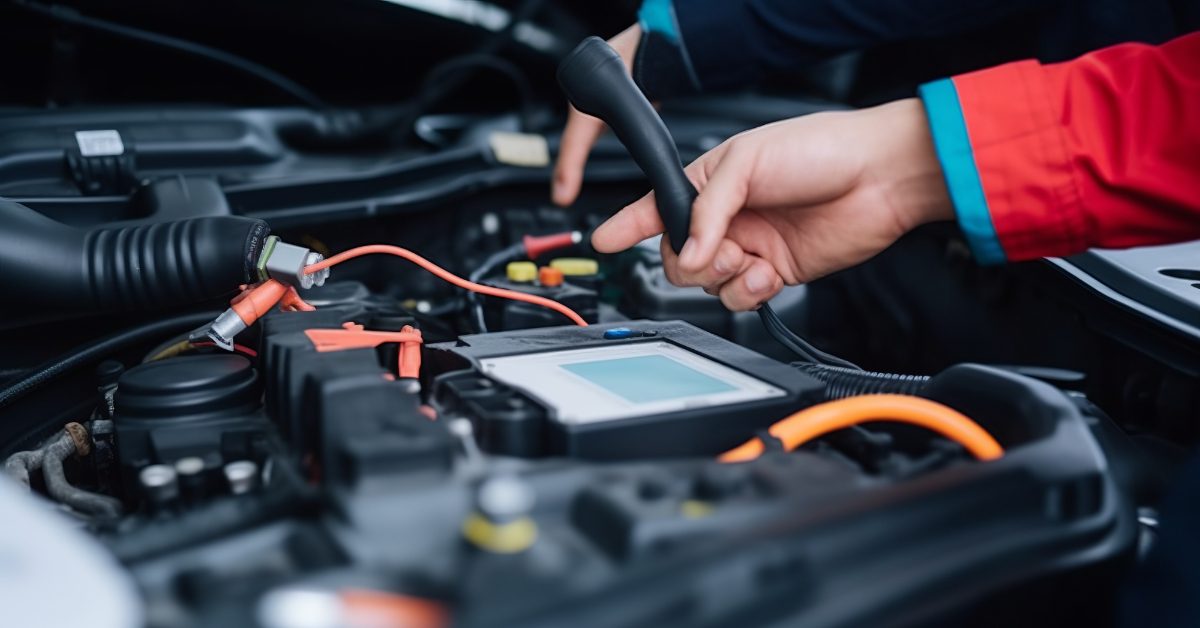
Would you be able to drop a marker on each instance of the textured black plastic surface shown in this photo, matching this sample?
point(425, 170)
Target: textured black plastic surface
point(188, 386)
point(123, 268)
point(597, 83)
point(1161, 282)
point(206, 406)
point(508, 314)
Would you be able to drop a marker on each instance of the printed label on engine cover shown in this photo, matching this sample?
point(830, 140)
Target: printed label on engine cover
point(105, 143)
point(520, 149)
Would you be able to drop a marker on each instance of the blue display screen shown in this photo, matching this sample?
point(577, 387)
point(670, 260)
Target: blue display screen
point(647, 378)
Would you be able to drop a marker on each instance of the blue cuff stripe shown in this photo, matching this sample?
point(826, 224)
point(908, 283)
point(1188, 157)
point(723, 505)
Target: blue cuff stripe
point(953, 146)
point(656, 16)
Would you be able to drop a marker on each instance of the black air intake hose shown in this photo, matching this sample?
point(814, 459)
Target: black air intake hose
point(845, 382)
point(46, 264)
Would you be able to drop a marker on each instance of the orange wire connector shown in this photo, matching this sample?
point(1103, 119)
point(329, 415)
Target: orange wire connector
point(821, 419)
point(447, 276)
point(353, 336)
point(246, 308)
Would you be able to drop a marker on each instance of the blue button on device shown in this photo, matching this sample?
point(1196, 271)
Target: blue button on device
point(619, 333)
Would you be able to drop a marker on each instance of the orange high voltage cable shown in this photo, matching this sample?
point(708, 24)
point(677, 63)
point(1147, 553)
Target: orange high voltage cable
point(447, 276)
point(821, 419)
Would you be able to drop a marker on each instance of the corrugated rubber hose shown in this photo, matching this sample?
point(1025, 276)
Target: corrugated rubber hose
point(136, 267)
point(841, 382)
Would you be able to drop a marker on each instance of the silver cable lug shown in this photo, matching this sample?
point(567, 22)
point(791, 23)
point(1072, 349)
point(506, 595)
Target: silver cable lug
point(221, 331)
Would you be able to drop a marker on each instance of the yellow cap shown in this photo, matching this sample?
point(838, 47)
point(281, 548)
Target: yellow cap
point(521, 271)
point(576, 266)
point(500, 538)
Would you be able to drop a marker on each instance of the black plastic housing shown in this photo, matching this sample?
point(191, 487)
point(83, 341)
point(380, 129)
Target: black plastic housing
point(341, 411)
point(203, 406)
point(509, 314)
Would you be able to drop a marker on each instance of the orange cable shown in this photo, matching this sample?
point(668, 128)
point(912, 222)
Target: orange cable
point(821, 419)
point(408, 359)
point(447, 276)
point(369, 608)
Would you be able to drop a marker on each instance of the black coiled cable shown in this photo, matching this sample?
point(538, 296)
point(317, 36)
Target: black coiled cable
point(842, 382)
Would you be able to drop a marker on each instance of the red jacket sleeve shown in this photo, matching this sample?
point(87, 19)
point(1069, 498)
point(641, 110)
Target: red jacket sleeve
point(1048, 160)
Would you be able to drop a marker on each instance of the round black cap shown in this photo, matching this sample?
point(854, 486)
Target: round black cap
point(188, 387)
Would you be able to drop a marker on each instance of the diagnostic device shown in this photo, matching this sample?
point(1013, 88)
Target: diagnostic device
point(614, 391)
point(610, 383)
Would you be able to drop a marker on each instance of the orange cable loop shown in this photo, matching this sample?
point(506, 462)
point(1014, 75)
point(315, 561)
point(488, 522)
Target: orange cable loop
point(821, 419)
point(447, 276)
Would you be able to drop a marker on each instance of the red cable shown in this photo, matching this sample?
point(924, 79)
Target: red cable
point(243, 349)
point(447, 276)
point(536, 246)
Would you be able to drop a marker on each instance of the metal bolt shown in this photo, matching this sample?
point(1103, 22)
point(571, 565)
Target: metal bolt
point(294, 607)
point(490, 223)
point(504, 498)
point(318, 278)
point(191, 476)
point(242, 476)
point(159, 483)
point(189, 466)
point(461, 428)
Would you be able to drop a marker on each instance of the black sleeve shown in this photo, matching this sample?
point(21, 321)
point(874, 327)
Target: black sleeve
point(692, 45)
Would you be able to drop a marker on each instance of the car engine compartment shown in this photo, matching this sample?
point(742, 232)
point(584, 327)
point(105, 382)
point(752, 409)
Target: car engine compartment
point(389, 449)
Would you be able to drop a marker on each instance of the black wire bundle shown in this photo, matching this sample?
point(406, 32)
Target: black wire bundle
point(443, 79)
point(843, 382)
point(99, 350)
point(503, 256)
point(801, 347)
point(841, 377)
point(448, 76)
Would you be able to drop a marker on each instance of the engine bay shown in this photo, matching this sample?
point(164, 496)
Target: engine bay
point(493, 488)
point(506, 428)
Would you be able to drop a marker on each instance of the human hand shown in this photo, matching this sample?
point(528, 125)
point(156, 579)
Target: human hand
point(795, 200)
point(582, 130)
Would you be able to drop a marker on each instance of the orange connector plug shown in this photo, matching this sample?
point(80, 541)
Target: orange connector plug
point(245, 310)
point(353, 336)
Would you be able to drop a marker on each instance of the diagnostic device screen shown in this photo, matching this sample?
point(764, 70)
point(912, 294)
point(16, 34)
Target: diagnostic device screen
point(625, 380)
point(645, 378)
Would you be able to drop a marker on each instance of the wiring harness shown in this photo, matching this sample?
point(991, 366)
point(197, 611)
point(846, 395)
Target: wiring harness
point(842, 382)
point(447, 276)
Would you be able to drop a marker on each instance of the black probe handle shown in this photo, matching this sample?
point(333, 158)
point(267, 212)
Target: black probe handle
point(596, 82)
